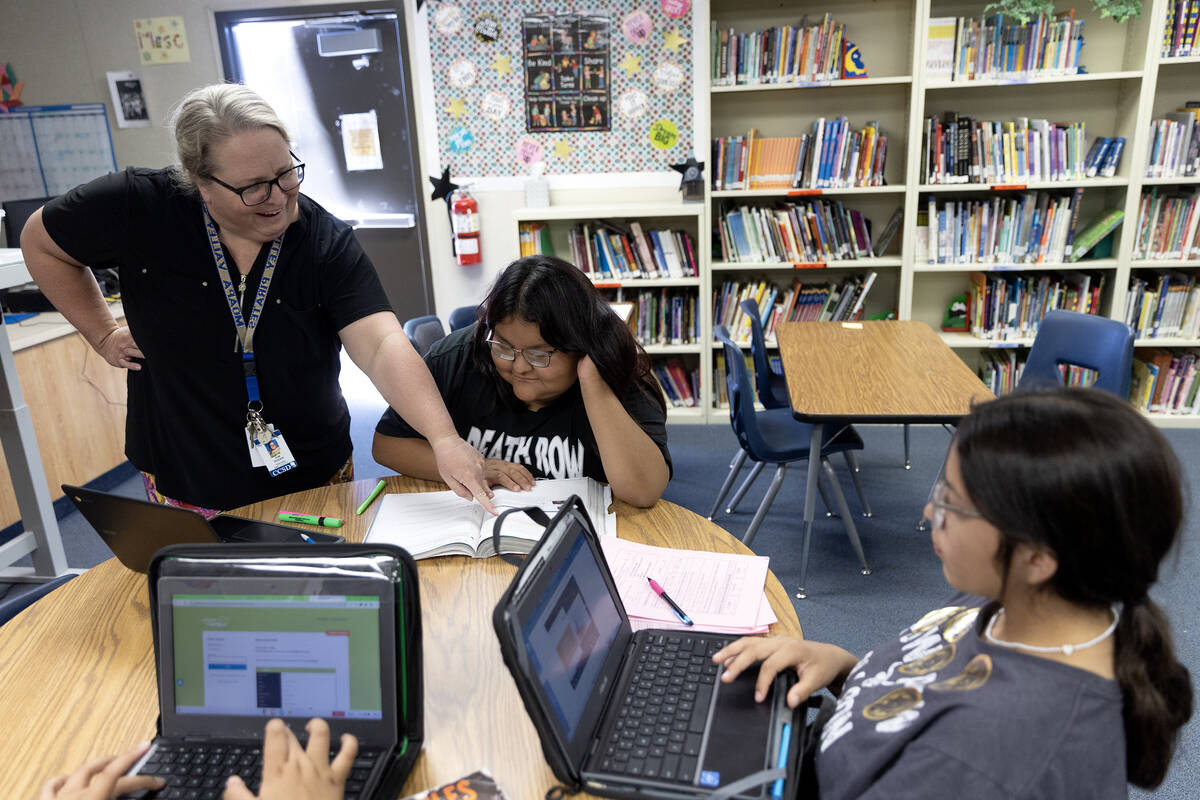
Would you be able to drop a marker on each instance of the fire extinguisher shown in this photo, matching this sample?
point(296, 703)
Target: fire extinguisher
point(464, 221)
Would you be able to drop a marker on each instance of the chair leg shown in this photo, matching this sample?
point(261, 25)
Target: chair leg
point(862, 498)
point(907, 442)
point(811, 473)
point(745, 487)
point(941, 471)
point(734, 466)
point(768, 498)
point(829, 512)
point(847, 520)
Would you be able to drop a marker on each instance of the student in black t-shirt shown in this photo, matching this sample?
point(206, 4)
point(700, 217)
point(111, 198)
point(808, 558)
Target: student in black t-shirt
point(226, 237)
point(1053, 674)
point(548, 384)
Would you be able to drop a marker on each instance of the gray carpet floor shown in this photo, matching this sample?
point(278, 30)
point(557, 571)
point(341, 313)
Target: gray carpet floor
point(845, 607)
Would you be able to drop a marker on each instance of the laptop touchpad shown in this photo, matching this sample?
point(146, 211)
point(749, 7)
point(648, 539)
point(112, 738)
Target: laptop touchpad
point(738, 736)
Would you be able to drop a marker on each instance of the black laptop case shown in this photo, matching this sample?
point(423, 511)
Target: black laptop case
point(556, 756)
point(230, 560)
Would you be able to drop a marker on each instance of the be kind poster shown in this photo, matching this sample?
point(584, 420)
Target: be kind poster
point(566, 72)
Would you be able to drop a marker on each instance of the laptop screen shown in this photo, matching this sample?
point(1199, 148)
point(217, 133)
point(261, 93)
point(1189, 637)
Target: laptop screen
point(277, 655)
point(235, 651)
point(569, 632)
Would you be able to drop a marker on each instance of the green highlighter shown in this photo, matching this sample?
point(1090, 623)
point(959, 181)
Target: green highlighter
point(310, 519)
point(371, 497)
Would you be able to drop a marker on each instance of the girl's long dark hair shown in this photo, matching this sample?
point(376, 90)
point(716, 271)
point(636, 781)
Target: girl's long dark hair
point(1081, 473)
point(573, 317)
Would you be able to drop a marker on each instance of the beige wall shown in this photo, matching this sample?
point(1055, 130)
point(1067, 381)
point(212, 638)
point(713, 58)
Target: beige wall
point(62, 49)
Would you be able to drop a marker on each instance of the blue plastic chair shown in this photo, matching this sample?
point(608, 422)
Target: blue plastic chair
point(1085, 340)
point(1074, 338)
point(771, 388)
point(774, 436)
point(461, 317)
point(770, 384)
point(424, 332)
point(12, 606)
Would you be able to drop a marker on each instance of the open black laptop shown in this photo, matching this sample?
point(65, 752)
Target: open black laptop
point(626, 714)
point(135, 529)
point(237, 643)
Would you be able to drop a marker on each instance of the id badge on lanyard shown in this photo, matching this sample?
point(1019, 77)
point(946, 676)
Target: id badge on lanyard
point(265, 442)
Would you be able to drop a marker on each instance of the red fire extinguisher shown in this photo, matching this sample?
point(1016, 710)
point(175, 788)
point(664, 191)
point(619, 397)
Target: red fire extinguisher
point(464, 219)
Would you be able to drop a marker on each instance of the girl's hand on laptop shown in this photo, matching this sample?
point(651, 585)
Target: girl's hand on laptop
point(101, 779)
point(817, 665)
point(292, 772)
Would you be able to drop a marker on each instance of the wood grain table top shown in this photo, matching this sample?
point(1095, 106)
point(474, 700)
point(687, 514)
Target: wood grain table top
point(77, 667)
point(884, 371)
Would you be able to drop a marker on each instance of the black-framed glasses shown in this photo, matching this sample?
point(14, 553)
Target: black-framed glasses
point(940, 506)
point(258, 193)
point(536, 358)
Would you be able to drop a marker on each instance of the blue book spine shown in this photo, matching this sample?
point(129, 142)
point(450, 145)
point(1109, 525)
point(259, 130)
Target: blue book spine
point(602, 255)
point(1093, 168)
point(942, 222)
point(661, 257)
point(1112, 157)
point(831, 132)
point(1035, 233)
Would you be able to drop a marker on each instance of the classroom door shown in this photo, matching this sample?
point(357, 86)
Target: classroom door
point(338, 76)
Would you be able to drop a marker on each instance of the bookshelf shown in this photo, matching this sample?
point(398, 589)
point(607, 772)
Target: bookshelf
point(883, 32)
point(561, 220)
point(1127, 84)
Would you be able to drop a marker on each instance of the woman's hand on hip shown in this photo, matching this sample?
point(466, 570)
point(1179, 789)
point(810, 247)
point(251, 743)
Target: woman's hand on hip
point(119, 349)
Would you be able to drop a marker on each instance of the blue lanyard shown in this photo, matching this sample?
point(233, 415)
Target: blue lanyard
point(245, 328)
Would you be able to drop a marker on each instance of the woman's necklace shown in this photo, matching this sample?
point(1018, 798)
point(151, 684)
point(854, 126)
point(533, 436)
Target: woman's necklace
point(1065, 649)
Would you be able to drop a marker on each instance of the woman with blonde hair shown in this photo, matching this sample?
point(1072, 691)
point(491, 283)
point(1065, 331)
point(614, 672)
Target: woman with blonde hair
point(239, 293)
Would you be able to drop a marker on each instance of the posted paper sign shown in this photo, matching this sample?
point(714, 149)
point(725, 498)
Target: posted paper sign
point(360, 141)
point(161, 40)
point(129, 101)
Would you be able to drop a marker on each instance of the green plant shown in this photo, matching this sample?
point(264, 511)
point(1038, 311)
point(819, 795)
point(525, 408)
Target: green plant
point(1024, 10)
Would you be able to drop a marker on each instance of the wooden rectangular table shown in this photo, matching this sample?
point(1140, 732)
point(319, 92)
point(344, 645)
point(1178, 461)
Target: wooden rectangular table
point(857, 372)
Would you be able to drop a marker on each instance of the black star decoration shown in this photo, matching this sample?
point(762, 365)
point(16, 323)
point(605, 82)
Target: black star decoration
point(443, 187)
point(690, 169)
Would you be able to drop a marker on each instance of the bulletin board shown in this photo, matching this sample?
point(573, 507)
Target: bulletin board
point(617, 97)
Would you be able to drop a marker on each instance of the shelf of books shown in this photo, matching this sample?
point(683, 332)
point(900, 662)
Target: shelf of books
point(1162, 299)
point(809, 110)
point(1032, 142)
point(649, 262)
point(960, 168)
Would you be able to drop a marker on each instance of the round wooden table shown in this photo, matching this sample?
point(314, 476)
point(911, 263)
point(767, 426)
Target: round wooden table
point(77, 667)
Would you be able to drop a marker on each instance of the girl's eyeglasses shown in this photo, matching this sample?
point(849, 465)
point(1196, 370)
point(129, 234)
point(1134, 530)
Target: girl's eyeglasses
point(536, 358)
point(940, 506)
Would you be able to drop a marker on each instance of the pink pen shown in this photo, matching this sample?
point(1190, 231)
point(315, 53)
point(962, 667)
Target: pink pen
point(658, 590)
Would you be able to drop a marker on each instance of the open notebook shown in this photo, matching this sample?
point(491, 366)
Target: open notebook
point(429, 524)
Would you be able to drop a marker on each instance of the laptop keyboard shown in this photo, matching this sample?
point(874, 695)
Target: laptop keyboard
point(198, 771)
point(660, 722)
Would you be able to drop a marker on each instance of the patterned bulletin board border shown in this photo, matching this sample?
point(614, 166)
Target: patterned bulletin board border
point(479, 92)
